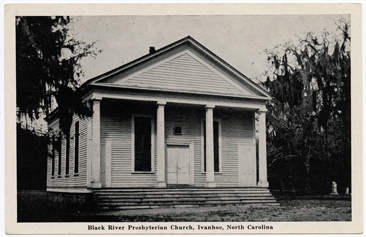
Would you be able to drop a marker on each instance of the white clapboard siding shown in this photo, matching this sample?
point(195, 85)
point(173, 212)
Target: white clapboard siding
point(117, 128)
point(72, 180)
point(236, 128)
point(105, 166)
point(184, 73)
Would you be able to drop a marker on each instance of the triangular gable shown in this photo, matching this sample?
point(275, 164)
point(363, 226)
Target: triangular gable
point(183, 73)
point(186, 70)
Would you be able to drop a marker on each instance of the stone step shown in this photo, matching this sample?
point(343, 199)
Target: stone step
point(180, 193)
point(155, 190)
point(181, 199)
point(140, 198)
point(121, 195)
point(186, 198)
point(103, 201)
point(188, 201)
point(182, 205)
point(177, 189)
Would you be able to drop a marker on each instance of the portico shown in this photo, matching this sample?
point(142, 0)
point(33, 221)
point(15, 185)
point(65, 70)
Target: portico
point(163, 146)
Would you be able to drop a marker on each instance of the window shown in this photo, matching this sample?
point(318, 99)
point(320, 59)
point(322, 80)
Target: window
point(76, 162)
point(53, 156)
point(216, 146)
point(142, 142)
point(67, 154)
point(59, 153)
point(177, 130)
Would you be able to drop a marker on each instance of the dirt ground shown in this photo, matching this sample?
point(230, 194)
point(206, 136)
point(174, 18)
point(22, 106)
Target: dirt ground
point(34, 207)
point(289, 210)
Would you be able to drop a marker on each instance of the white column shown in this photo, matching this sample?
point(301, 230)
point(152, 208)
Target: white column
point(160, 149)
point(262, 147)
point(95, 159)
point(210, 175)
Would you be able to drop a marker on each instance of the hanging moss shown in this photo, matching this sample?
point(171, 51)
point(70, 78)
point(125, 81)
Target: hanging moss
point(310, 112)
point(43, 73)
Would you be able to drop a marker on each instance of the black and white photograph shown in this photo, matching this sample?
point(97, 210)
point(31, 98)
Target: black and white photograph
point(166, 122)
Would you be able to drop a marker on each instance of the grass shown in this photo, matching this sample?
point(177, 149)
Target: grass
point(37, 206)
point(289, 210)
point(34, 206)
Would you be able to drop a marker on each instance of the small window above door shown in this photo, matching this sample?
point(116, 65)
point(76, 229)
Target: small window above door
point(177, 130)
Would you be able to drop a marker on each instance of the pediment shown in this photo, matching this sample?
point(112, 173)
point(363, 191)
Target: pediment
point(183, 69)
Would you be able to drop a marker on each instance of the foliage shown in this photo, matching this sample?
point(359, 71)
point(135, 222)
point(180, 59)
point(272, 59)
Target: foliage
point(47, 68)
point(31, 160)
point(309, 120)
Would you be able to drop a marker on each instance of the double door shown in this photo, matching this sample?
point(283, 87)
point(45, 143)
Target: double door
point(178, 161)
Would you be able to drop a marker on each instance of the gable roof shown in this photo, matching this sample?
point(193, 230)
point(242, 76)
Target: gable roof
point(182, 72)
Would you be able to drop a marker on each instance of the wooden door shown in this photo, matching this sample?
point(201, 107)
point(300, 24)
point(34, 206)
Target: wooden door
point(247, 165)
point(178, 165)
point(172, 166)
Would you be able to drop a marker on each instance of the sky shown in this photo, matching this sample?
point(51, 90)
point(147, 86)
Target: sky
point(239, 40)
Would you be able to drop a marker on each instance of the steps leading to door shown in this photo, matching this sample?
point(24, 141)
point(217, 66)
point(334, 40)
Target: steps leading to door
point(120, 199)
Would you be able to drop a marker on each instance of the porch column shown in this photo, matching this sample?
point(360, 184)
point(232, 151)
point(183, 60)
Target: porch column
point(95, 159)
point(210, 177)
point(160, 148)
point(262, 147)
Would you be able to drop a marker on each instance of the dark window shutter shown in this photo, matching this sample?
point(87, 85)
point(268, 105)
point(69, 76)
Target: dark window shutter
point(76, 161)
point(142, 144)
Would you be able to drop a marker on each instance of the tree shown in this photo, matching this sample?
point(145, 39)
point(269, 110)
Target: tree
point(309, 118)
point(31, 163)
point(47, 68)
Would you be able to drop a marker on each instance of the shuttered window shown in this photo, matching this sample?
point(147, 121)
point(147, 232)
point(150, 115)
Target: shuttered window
point(216, 146)
point(59, 152)
point(76, 156)
point(53, 156)
point(67, 154)
point(142, 143)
